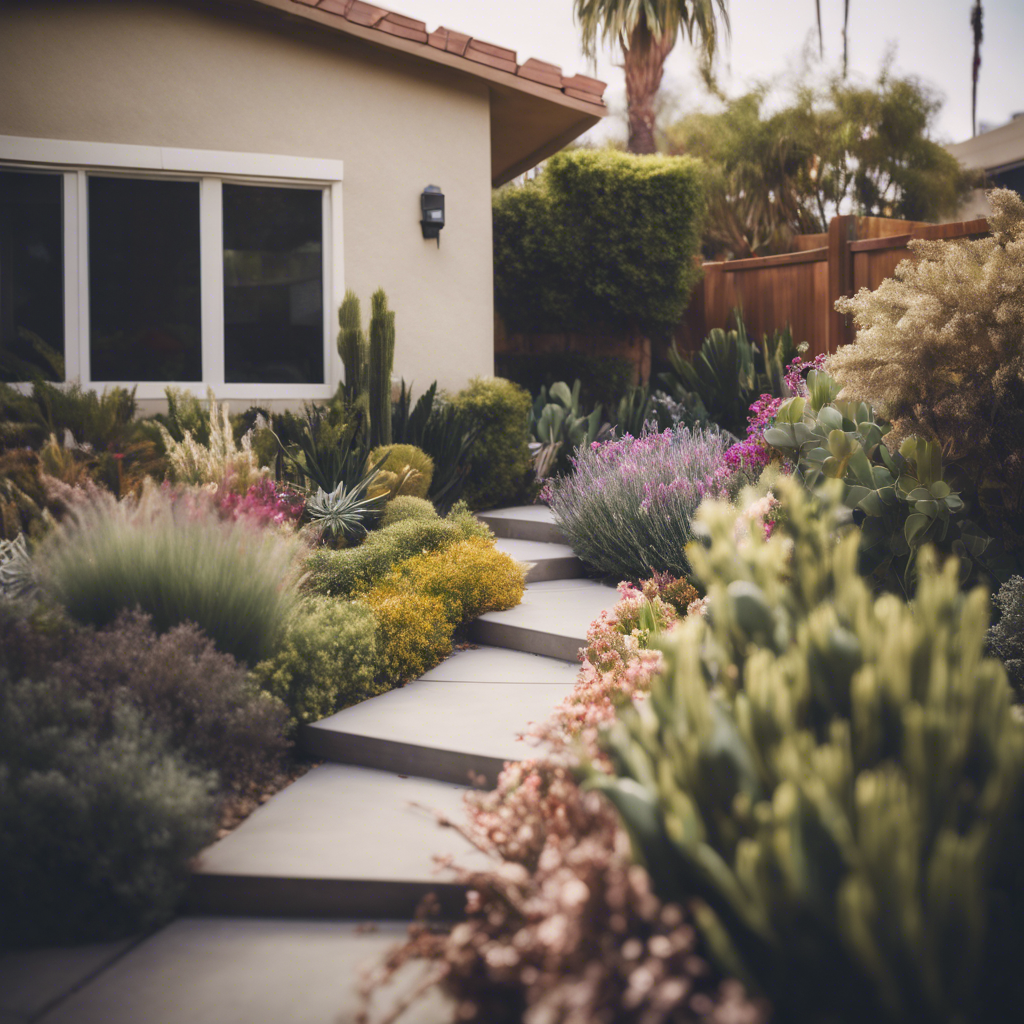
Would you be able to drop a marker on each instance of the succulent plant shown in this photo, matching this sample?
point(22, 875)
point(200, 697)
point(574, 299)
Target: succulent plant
point(559, 425)
point(836, 776)
point(902, 500)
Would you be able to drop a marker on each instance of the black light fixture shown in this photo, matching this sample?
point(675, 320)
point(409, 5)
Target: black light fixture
point(432, 205)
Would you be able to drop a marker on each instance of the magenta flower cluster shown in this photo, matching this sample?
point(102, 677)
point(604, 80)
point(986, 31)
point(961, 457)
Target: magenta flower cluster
point(264, 504)
point(752, 453)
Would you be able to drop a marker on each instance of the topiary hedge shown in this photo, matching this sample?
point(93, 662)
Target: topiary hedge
point(601, 239)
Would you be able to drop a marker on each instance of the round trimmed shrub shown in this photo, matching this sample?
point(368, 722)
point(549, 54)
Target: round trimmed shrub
point(405, 506)
point(401, 458)
point(501, 470)
point(414, 632)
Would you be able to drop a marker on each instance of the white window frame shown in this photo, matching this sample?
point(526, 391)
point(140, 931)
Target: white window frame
point(75, 161)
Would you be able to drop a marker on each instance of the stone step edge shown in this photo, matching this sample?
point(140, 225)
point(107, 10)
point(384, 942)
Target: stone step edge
point(401, 758)
point(510, 528)
point(530, 641)
point(547, 570)
point(225, 895)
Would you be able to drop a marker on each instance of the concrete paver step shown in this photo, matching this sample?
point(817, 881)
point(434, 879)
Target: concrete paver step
point(523, 522)
point(450, 731)
point(547, 561)
point(552, 619)
point(342, 841)
point(499, 665)
point(202, 970)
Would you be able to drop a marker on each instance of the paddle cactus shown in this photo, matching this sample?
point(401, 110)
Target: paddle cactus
point(903, 498)
point(837, 776)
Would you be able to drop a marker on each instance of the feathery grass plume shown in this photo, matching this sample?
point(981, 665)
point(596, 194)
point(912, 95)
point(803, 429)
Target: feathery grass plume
point(836, 776)
point(222, 461)
point(626, 507)
point(940, 352)
point(173, 557)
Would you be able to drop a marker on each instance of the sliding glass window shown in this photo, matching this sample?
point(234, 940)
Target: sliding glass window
point(144, 280)
point(31, 276)
point(273, 285)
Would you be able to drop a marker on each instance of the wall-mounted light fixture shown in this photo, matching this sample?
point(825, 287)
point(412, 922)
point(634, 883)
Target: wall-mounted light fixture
point(432, 205)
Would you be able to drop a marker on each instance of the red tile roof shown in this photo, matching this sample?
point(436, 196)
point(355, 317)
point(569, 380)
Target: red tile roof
point(356, 12)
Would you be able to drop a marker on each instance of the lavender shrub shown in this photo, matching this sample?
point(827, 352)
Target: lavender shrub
point(627, 505)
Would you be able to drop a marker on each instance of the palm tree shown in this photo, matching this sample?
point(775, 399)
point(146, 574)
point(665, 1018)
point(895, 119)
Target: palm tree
point(646, 31)
point(976, 66)
point(846, 25)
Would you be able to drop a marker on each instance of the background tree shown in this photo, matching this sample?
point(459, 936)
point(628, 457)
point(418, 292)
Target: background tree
point(646, 32)
point(836, 148)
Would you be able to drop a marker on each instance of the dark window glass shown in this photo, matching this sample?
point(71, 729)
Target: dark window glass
point(31, 276)
point(144, 307)
point(273, 285)
point(1013, 178)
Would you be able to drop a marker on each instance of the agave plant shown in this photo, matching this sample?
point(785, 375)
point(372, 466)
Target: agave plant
point(347, 511)
point(17, 573)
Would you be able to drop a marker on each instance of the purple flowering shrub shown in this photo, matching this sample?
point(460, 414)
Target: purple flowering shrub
point(627, 505)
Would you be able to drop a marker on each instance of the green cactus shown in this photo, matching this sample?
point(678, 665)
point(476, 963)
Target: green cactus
point(382, 360)
point(352, 347)
point(836, 776)
point(902, 500)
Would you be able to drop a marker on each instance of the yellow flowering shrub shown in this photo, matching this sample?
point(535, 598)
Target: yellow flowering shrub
point(414, 632)
point(470, 578)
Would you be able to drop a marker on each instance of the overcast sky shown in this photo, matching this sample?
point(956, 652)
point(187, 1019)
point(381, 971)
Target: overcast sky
point(932, 39)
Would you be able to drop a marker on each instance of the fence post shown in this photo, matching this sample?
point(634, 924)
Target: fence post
point(841, 232)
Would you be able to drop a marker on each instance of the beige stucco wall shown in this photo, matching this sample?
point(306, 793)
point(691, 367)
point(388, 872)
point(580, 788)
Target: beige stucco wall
point(216, 77)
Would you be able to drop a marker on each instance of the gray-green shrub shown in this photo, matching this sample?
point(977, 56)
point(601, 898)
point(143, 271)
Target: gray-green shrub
point(96, 827)
point(1006, 637)
point(202, 700)
point(178, 562)
point(326, 660)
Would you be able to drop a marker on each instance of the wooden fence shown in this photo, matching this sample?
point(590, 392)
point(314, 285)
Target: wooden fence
point(798, 289)
point(801, 288)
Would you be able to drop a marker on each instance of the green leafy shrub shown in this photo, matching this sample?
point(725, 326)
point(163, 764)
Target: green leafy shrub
point(404, 507)
point(414, 632)
point(940, 352)
point(836, 775)
point(470, 577)
point(199, 699)
point(96, 828)
point(1006, 637)
point(500, 456)
point(601, 239)
point(354, 570)
point(326, 660)
point(178, 562)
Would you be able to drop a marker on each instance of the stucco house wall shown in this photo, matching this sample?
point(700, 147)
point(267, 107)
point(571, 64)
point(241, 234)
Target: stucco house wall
point(230, 78)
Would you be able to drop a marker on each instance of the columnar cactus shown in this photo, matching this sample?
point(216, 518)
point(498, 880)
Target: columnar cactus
point(836, 775)
point(352, 347)
point(382, 358)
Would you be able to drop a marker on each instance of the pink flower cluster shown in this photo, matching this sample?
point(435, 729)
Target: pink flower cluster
point(264, 504)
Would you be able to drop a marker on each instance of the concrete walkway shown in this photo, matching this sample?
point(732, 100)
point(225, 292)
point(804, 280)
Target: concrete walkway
point(286, 912)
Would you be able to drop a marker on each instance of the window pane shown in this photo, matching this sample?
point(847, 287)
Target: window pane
point(144, 309)
point(31, 276)
point(273, 285)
